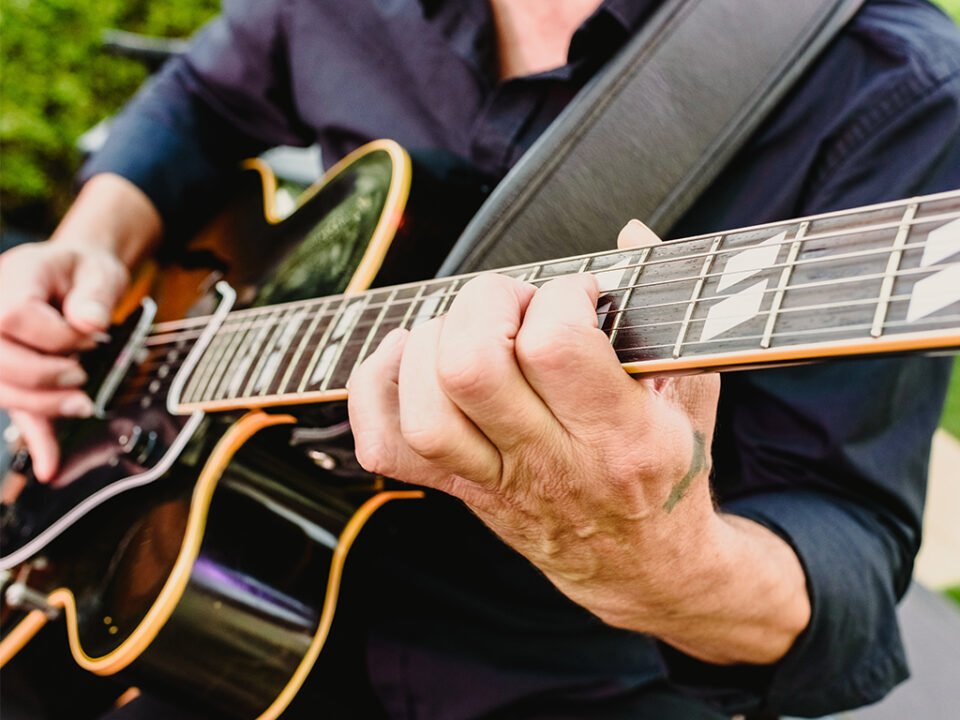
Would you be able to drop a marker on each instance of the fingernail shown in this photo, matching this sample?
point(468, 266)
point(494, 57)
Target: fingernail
point(100, 337)
point(393, 338)
point(71, 378)
point(77, 406)
point(93, 312)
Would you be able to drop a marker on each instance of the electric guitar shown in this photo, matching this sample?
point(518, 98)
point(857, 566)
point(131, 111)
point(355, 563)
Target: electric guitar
point(218, 411)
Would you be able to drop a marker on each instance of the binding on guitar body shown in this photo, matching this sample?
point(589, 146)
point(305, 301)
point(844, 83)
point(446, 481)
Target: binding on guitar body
point(219, 412)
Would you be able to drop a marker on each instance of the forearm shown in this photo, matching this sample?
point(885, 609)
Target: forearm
point(741, 599)
point(112, 214)
point(718, 587)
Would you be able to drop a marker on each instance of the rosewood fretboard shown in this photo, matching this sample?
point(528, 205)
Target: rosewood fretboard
point(880, 279)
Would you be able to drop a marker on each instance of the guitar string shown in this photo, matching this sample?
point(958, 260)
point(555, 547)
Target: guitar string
point(794, 334)
point(638, 353)
point(131, 390)
point(605, 316)
point(647, 347)
point(313, 302)
point(341, 301)
point(171, 328)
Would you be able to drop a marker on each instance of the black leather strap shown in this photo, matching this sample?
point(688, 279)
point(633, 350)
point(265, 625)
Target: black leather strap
point(652, 130)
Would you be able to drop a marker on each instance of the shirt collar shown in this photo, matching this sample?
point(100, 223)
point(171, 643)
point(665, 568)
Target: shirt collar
point(629, 13)
point(467, 25)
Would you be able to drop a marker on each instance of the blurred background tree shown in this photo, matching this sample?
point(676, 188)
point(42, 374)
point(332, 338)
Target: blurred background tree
point(57, 82)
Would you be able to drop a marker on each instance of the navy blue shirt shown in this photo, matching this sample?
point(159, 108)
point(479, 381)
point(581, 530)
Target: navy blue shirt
point(831, 457)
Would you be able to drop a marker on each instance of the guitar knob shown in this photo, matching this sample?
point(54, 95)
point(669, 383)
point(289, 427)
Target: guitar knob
point(138, 445)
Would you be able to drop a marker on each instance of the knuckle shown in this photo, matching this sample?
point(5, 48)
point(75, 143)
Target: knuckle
point(464, 374)
point(12, 313)
point(373, 454)
point(547, 348)
point(428, 440)
point(485, 286)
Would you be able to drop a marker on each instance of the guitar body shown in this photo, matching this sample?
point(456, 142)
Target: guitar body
point(210, 565)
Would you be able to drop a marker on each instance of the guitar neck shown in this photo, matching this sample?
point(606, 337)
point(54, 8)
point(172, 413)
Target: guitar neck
point(874, 280)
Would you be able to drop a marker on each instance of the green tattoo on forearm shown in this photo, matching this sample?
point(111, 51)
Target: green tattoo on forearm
point(697, 464)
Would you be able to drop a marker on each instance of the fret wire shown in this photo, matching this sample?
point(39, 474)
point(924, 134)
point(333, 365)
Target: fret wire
point(625, 301)
point(230, 354)
point(267, 341)
point(202, 375)
point(302, 346)
point(783, 311)
point(697, 290)
point(200, 378)
point(343, 340)
point(413, 303)
point(447, 299)
point(252, 332)
point(242, 361)
point(861, 230)
point(893, 265)
point(782, 285)
point(327, 332)
point(287, 336)
point(854, 255)
point(255, 354)
point(811, 285)
point(373, 331)
point(533, 274)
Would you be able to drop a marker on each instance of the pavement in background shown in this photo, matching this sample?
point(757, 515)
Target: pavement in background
point(938, 564)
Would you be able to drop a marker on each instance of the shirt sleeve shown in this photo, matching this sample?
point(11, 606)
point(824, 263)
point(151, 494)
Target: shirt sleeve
point(833, 458)
point(227, 98)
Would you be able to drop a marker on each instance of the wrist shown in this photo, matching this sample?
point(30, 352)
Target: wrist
point(741, 598)
point(111, 214)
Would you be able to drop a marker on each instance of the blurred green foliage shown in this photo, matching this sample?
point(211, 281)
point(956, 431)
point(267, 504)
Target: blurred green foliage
point(57, 82)
point(951, 6)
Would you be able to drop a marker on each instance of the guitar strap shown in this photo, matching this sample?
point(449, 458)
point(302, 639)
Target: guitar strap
point(650, 132)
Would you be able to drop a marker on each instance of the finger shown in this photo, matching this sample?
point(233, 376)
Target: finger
point(636, 235)
point(47, 403)
point(29, 283)
point(374, 408)
point(35, 324)
point(570, 362)
point(37, 433)
point(430, 423)
point(98, 282)
point(477, 366)
point(27, 369)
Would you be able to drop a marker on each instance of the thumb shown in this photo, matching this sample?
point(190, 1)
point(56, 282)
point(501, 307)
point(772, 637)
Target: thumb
point(636, 235)
point(99, 280)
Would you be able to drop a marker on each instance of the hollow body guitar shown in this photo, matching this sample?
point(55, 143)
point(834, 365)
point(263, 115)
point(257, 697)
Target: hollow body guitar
point(213, 501)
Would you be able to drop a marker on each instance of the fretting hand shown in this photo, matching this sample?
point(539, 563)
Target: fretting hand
point(515, 403)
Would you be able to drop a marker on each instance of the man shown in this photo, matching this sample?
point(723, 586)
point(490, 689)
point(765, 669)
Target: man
point(611, 584)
